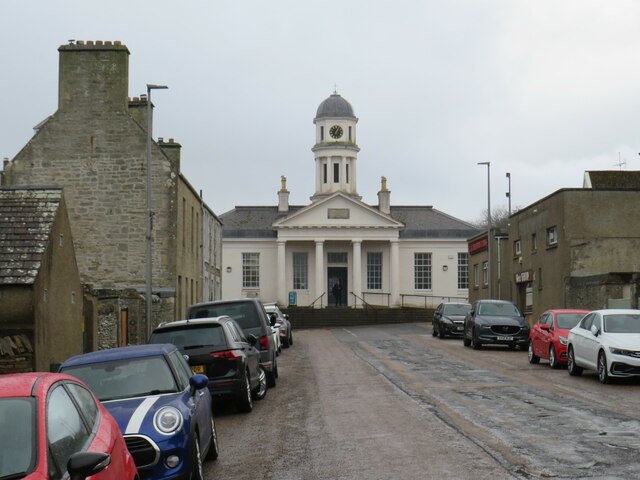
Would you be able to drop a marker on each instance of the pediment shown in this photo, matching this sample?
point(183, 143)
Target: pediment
point(338, 211)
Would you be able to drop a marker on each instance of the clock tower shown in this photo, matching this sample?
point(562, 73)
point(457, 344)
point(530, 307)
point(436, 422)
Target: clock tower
point(335, 149)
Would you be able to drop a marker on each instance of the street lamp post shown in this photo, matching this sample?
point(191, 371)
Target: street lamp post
point(148, 290)
point(509, 192)
point(488, 164)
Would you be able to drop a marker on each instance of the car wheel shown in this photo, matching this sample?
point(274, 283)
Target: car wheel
point(475, 344)
point(434, 331)
point(553, 360)
point(572, 368)
point(261, 390)
point(291, 339)
point(465, 341)
point(197, 472)
point(245, 403)
point(285, 342)
point(533, 358)
point(213, 452)
point(272, 375)
point(603, 372)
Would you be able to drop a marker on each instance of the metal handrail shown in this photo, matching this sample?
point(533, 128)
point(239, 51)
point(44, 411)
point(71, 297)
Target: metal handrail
point(439, 299)
point(364, 303)
point(379, 293)
point(319, 298)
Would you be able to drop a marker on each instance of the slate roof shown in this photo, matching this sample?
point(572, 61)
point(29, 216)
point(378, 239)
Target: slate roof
point(335, 106)
point(26, 220)
point(420, 222)
point(614, 179)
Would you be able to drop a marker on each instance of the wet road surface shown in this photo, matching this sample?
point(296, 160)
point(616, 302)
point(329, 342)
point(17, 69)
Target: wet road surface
point(394, 402)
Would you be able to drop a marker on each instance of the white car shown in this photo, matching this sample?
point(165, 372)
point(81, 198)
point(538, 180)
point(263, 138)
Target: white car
point(607, 341)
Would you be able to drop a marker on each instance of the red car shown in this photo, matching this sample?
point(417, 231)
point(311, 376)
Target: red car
point(548, 336)
point(52, 425)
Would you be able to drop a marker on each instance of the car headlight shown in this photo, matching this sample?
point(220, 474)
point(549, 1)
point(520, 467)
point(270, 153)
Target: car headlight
point(446, 320)
point(563, 341)
point(167, 420)
point(621, 351)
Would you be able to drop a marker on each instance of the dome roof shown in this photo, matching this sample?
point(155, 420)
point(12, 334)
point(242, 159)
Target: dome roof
point(335, 106)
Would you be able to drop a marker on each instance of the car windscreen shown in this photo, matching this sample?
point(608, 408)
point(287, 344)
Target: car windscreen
point(188, 337)
point(622, 323)
point(19, 439)
point(499, 309)
point(131, 377)
point(568, 320)
point(243, 312)
point(456, 309)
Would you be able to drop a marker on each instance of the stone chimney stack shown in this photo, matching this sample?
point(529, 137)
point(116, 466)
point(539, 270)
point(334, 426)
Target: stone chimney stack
point(384, 197)
point(172, 149)
point(93, 75)
point(138, 109)
point(283, 196)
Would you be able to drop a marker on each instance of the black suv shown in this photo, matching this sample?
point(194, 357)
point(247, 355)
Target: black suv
point(495, 322)
point(252, 318)
point(218, 348)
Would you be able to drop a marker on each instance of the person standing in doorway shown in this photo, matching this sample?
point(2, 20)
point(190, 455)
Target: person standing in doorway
point(337, 292)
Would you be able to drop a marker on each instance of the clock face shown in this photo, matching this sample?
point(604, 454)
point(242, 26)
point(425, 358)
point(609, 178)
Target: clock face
point(336, 131)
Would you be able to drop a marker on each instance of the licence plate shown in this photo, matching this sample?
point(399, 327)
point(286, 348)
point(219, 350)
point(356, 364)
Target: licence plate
point(504, 339)
point(459, 329)
point(197, 368)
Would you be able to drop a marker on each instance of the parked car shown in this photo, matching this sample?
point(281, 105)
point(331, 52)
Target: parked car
point(448, 319)
point(53, 426)
point(218, 348)
point(548, 336)
point(495, 322)
point(286, 329)
point(607, 341)
point(252, 318)
point(275, 333)
point(163, 410)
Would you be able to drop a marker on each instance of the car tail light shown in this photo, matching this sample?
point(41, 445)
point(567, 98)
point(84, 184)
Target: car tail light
point(228, 354)
point(264, 343)
point(283, 331)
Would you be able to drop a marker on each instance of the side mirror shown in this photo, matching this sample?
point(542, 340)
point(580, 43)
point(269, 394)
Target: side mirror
point(544, 326)
point(252, 340)
point(186, 357)
point(84, 464)
point(595, 330)
point(286, 315)
point(198, 382)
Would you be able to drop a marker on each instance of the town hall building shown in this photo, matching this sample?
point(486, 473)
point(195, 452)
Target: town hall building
point(380, 254)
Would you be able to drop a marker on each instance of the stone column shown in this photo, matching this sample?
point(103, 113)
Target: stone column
point(357, 270)
point(282, 277)
point(320, 284)
point(394, 273)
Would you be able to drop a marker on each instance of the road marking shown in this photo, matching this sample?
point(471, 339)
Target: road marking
point(350, 332)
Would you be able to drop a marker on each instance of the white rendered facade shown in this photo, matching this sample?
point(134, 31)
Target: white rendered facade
point(304, 249)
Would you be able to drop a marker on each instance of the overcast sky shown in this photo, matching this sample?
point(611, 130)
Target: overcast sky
point(543, 89)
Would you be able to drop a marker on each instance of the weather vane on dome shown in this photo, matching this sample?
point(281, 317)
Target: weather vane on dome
point(335, 89)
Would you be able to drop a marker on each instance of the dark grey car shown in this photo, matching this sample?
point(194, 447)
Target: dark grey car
point(448, 319)
point(252, 318)
point(496, 322)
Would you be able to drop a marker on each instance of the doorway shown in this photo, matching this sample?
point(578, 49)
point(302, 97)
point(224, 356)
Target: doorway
point(335, 275)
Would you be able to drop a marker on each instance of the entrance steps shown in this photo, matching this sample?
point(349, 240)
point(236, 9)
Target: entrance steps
point(329, 317)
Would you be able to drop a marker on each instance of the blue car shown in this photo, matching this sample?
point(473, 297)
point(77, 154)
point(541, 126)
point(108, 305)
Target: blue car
point(163, 410)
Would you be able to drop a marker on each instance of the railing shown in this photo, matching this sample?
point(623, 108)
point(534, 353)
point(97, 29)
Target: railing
point(388, 295)
point(435, 300)
point(319, 298)
point(355, 301)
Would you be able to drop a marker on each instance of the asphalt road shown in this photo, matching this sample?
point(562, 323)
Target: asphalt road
point(394, 402)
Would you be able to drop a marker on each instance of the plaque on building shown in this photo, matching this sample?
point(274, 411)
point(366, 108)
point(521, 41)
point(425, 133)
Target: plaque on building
point(338, 213)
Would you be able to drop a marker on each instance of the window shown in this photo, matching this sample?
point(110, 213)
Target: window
point(86, 403)
point(485, 273)
point(336, 173)
point(463, 270)
point(476, 276)
point(539, 278)
point(422, 271)
point(321, 133)
point(534, 242)
point(349, 133)
point(374, 270)
point(528, 297)
point(324, 173)
point(552, 236)
point(337, 258)
point(517, 250)
point(300, 271)
point(347, 173)
point(250, 270)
